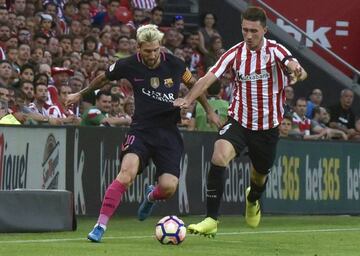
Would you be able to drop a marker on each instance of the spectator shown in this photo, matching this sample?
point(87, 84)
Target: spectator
point(109, 16)
point(4, 14)
point(289, 99)
point(123, 49)
point(125, 30)
point(61, 77)
point(318, 124)
point(40, 40)
point(83, 10)
point(315, 99)
point(301, 124)
point(41, 78)
point(6, 70)
point(117, 105)
point(23, 56)
point(115, 32)
point(65, 114)
point(90, 44)
point(53, 46)
point(47, 24)
point(75, 28)
point(342, 116)
point(19, 6)
point(5, 116)
point(197, 62)
point(206, 31)
point(213, 55)
point(85, 27)
point(24, 36)
point(156, 16)
point(37, 55)
point(65, 45)
point(40, 97)
point(138, 19)
point(178, 23)
point(129, 106)
point(171, 40)
point(27, 73)
point(98, 115)
point(285, 126)
point(28, 88)
point(5, 33)
point(105, 46)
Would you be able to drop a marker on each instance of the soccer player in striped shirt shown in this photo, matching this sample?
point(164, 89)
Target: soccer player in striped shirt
point(262, 68)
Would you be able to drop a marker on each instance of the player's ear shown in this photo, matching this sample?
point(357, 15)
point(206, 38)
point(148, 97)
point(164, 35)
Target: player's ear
point(265, 30)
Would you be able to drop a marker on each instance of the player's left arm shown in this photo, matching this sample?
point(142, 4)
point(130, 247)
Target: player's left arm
point(189, 81)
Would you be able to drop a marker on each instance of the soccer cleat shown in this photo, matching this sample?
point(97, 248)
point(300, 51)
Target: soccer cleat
point(252, 211)
point(96, 234)
point(146, 206)
point(207, 227)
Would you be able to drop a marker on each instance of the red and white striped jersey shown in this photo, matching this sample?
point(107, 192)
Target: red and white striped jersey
point(144, 4)
point(259, 81)
point(55, 112)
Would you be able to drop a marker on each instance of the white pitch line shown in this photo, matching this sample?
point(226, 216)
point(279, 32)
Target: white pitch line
point(218, 234)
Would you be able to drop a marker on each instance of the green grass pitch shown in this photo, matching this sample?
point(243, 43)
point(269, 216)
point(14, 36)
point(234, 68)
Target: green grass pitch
point(276, 235)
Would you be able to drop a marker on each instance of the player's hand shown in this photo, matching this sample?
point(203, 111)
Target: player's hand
point(72, 98)
point(297, 74)
point(215, 119)
point(182, 103)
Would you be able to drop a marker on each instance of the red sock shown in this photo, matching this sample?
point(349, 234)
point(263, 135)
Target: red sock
point(111, 201)
point(157, 194)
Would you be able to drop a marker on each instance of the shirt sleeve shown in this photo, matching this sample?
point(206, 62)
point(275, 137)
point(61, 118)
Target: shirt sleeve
point(186, 77)
point(225, 61)
point(116, 70)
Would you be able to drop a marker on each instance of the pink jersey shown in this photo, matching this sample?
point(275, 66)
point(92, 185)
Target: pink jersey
point(259, 81)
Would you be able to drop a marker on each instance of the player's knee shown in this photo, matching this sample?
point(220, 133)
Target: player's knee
point(220, 159)
point(169, 189)
point(126, 177)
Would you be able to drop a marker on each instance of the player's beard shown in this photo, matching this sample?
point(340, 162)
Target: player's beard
point(152, 63)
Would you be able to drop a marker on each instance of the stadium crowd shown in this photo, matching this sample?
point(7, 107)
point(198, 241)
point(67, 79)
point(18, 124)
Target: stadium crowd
point(51, 48)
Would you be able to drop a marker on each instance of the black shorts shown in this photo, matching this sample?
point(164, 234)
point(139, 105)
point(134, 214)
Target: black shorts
point(163, 145)
point(261, 145)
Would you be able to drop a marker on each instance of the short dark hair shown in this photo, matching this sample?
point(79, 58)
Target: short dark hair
point(157, 8)
point(287, 116)
point(100, 93)
point(255, 13)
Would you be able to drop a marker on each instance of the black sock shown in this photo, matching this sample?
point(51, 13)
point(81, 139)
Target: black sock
point(214, 190)
point(256, 191)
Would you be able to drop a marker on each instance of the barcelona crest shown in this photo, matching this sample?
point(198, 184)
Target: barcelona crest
point(168, 82)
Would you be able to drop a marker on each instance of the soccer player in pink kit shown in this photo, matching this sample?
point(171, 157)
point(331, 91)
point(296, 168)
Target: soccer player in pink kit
point(155, 77)
point(262, 68)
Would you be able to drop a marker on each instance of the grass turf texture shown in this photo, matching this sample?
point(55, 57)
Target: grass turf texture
point(276, 235)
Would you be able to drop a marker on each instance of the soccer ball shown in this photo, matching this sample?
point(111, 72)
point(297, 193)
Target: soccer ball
point(170, 230)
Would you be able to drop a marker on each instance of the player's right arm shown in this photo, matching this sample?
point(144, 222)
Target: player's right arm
point(95, 84)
